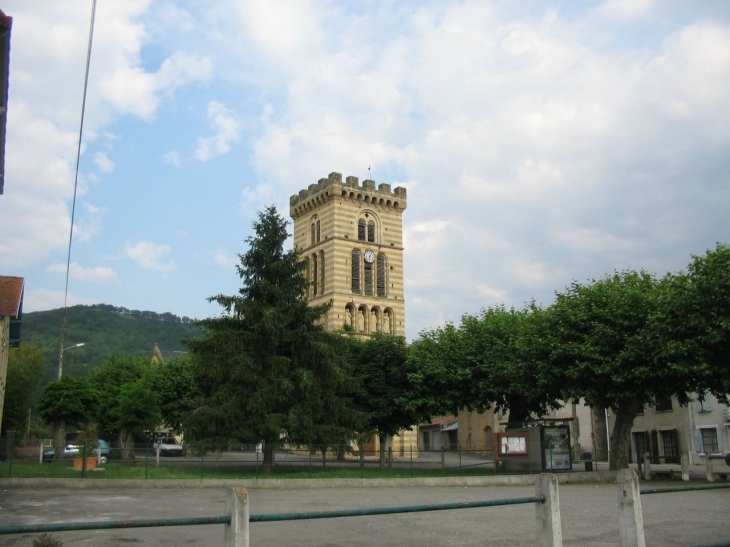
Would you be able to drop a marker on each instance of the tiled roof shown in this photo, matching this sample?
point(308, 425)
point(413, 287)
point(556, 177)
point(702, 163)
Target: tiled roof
point(443, 420)
point(11, 294)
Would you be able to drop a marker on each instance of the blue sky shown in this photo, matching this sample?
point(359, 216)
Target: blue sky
point(540, 142)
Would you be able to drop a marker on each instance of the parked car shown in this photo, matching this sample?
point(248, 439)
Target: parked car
point(71, 450)
point(727, 458)
point(169, 446)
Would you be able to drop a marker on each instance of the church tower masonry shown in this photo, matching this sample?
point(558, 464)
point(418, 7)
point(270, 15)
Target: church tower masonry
point(352, 236)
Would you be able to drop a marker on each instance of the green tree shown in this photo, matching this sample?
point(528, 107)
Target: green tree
point(67, 402)
point(381, 365)
point(604, 339)
point(694, 321)
point(173, 383)
point(25, 371)
point(266, 366)
point(498, 358)
point(124, 382)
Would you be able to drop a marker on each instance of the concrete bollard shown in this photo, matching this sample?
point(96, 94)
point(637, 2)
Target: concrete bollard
point(710, 470)
point(236, 533)
point(630, 518)
point(685, 467)
point(549, 527)
point(647, 467)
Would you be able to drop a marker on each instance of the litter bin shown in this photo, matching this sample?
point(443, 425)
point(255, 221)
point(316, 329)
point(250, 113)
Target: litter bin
point(586, 457)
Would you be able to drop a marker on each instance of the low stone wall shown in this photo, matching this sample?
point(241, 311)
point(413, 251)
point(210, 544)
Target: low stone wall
point(298, 484)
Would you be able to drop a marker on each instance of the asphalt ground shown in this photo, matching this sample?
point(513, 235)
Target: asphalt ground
point(589, 516)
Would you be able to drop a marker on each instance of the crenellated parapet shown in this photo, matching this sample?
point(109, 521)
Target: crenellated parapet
point(332, 187)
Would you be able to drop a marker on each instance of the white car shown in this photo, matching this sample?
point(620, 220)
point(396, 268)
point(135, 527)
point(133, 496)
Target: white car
point(168, 446)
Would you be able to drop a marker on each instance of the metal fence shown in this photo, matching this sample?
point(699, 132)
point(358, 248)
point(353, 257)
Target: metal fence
point(142, 460)
point(548, 524)
point(237, 519)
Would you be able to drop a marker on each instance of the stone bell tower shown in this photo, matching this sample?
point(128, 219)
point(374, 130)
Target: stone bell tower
point(352, 236)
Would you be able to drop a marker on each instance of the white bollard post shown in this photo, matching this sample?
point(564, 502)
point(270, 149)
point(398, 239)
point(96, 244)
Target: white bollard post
point(236, 533)
point(647, 467)
point(685, 466)
point(710, 470)
point(630, 518)
point(549, 528)
point(40, 455)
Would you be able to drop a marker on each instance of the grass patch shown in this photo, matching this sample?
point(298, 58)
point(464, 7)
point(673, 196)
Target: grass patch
point(190, 470)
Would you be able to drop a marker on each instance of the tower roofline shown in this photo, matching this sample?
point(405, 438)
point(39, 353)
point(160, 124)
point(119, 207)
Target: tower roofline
point(332, 186)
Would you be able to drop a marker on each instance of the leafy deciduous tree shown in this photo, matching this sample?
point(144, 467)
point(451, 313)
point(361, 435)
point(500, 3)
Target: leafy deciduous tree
point(122, 382)
point(67, 402)
point(174, 385)
point(382, 367)
point(497, 358)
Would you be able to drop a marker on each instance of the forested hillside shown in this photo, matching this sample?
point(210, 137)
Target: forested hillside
point(105, 330)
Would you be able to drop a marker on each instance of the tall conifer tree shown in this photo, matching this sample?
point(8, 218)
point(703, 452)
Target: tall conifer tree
point(266, 367)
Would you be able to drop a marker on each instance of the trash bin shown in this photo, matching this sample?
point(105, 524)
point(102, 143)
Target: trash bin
point(586, 457)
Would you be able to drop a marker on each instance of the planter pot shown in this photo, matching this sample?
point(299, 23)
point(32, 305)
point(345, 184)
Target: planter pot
point(90, 463)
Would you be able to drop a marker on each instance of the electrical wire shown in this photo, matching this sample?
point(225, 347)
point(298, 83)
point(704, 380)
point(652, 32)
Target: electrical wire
point(76, 182)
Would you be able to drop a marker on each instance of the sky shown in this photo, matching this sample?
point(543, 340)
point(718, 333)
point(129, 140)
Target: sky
point(540, 142)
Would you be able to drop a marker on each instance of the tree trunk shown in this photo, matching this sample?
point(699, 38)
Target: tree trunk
point(269, 448)
point(621, 436)
point(59, 439)
point(383, 437)
point(126, 444)
point(324, 457)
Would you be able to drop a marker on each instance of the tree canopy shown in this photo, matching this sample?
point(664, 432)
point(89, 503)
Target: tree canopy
point(623, 341)
point(266, 368)
point(497, 358)
point(382, 369)
point(24, 373)
point(130, 406)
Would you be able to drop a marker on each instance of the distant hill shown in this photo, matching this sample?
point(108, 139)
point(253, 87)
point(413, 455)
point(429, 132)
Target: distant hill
point(105, 330)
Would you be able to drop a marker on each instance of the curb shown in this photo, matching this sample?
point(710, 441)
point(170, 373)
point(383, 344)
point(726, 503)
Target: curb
point(588, 477)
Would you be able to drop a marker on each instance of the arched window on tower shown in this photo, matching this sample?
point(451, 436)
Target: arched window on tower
point(368, 267)
point(321, 272)
point(315, 275)
point(371, 231)
point(317, 231)
point(314, 232)
point(361, 229)
point(381, 273)
point(356, 271)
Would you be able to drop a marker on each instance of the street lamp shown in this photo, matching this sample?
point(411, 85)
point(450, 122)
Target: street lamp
point(60, 356)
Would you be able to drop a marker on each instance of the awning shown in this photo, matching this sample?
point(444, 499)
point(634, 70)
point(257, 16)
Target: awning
point(451, 427)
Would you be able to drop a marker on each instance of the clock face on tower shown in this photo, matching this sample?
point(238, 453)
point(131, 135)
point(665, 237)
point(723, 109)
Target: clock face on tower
point(369, 257)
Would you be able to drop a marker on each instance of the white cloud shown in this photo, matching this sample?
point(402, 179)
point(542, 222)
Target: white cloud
point(149, 256)
point(87, 227)
point(223, 258)
point(103, 162)
point(625, 9)
point(96, 274)
point(226, 128)
point(40, 298)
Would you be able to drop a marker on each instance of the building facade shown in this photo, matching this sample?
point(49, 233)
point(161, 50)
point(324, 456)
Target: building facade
point(11, 309)
point(352, 238)
point(668, 430)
